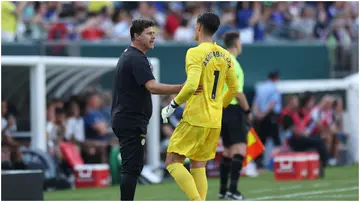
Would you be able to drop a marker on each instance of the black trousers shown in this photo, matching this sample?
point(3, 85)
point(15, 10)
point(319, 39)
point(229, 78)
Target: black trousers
point(302, 143)
point(132, 142)
point(267, 128)
point(234, 126)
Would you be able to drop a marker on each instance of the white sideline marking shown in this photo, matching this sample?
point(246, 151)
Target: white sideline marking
point(291, 187)
point(331, 196)
point(316, 185)
point(307, 193)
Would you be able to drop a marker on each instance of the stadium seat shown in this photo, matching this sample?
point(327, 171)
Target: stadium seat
point(71, 154)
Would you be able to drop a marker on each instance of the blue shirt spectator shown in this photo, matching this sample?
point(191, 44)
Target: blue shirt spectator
point(96, 127)
point(266, 94)
point(223, 29)
point(242, 18)
point(278, 18)
point(91, 119)
point(259, 31)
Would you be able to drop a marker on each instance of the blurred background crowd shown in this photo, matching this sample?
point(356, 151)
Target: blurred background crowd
point(105, 20)
point(84, 119)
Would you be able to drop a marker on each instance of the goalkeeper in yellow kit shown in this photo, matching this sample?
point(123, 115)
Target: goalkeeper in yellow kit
point(210, 66)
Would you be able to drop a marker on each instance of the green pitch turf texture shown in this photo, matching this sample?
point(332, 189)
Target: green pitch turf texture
point(340, 183)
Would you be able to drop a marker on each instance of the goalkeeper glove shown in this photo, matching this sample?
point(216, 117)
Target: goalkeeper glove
point(167, 111)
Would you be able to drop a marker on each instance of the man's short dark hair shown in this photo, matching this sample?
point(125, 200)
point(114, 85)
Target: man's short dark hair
point(138, 26)
point(59, 111)
point(209, 21)
point(273, 75)
point(230, 38)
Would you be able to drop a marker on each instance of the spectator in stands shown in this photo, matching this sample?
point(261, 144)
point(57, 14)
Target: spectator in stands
point(106, 105)
point(338, 108)
point(62, 19)
point(142, 10)
point(53, 10)
point(320, 27)
point(304, 26)
point(280, 18)
point(38, 27)
point(173, 18)
point(91, 30)
point(50, 129)
point(227, 22)
point(307, 103)
point(340, 138)
point(57, 103)
point(194, 9)
point(122, 21)
point(10, 148)
point(297, 139)
point(9, 16)
point(55, 128)
point(184, 33)
point(105, 22)
point(248, 14)
point(289, 118)
point(8, 121)
point(97, 6)
point(266, 108)
point(60, 124)
point(75, 125)
point(319, 121)
point(158, 17)
point(260, 26)
point(96, 128)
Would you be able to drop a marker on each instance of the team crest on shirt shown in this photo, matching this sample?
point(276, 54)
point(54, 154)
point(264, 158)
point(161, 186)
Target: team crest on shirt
point(143, 140)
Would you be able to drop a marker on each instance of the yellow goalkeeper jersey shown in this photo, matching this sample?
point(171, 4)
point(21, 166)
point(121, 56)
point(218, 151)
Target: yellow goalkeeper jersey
point(211, 66)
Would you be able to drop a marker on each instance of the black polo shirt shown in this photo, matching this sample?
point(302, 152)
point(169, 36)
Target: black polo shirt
point(132, 105)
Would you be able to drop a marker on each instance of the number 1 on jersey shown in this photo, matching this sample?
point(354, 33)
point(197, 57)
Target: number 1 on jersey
point(216, 75)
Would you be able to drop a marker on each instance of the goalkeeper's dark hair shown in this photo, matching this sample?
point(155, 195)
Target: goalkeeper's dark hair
point(230, 38)
point(138, 26)
point(209, 21)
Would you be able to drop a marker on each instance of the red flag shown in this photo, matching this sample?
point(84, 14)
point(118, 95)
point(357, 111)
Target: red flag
point(254, 147)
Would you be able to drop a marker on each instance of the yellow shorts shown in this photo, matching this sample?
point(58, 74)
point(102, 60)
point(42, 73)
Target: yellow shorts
point(196, 143)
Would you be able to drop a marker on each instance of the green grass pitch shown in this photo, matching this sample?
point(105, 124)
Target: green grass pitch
point(340, 183)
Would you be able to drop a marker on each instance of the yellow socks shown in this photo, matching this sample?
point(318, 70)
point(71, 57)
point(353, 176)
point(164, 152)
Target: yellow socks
point(199, 175)
point(185, 181)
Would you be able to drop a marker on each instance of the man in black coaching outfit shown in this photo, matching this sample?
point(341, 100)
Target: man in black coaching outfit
point(132, 106)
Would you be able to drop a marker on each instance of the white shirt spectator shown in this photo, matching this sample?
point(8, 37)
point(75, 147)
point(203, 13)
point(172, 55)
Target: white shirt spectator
point(184, 34)
point(3, 123)
point(318, 115)
point(122, 30)
point(75, 128)
point(51, 131)
point(9, 131)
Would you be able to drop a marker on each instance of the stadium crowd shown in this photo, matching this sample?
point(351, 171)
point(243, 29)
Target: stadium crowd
point(105, 20)
point(82, 120)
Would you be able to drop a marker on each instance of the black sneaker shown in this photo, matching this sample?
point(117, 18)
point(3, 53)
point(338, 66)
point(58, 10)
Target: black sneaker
point(234, 196)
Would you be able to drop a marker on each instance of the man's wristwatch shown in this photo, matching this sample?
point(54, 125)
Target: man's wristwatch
point(248, 111)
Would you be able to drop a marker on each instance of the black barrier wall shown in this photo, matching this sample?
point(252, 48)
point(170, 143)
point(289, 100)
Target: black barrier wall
point(20, 185)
